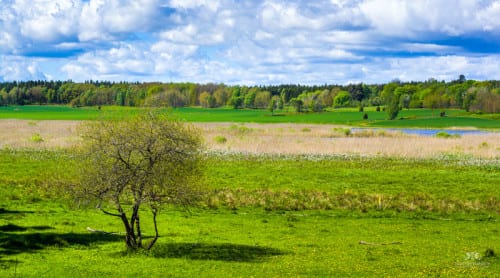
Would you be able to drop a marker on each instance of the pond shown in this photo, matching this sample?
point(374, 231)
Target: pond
point(428, 132)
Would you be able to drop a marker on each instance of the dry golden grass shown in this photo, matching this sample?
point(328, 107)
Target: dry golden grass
point(275, 138)
point(329, 139)
point(22, 133)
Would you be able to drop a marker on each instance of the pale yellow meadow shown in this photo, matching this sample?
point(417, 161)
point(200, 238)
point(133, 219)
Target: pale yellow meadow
point(275, 138)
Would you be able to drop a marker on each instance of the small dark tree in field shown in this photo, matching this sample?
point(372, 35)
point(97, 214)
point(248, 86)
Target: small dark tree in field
point(148, 159)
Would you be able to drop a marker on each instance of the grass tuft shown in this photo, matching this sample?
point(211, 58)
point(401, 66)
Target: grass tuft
point(219, 139)
point(444, 134)
point(37, 138)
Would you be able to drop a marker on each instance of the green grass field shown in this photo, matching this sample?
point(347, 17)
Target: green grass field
point(265, 215)
point(446, 224)
point(421, 118)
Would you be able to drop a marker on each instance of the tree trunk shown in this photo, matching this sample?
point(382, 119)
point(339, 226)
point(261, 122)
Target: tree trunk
point(150, 245)
point(130, 239)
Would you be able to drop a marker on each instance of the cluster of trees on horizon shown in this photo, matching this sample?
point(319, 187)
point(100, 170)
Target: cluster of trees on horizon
point(471, 95)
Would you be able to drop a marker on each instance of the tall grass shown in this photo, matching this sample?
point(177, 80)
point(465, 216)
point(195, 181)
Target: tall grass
point(278, 138)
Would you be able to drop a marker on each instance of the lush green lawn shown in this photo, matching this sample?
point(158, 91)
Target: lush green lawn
point(41, 235)
point(247, 243)
point(59, 112)
point(409, 118)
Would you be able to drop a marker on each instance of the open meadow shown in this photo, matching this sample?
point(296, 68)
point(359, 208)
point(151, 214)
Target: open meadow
point(287, 199)
point(277, 139)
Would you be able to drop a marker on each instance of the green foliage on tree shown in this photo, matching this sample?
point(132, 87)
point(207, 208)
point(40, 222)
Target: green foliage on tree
point(250, 99)
point(460, 93)
point(391, 98)
point(207, 100)
point(342, 99)
point(262, 99)
point(142, 161)
point(221, 97)
point(236, 100)
point(312, 101)
point(297, 104)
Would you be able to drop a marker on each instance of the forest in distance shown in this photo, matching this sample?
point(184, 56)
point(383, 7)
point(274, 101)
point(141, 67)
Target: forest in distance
point(470, 95)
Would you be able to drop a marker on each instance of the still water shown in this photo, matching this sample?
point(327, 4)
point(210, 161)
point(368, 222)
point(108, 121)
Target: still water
point(427, 132)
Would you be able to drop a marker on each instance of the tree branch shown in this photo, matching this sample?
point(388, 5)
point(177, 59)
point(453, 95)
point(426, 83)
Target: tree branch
point(107, 212)
point(150, 245)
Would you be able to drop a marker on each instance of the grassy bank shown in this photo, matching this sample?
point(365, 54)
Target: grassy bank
point(451, 229)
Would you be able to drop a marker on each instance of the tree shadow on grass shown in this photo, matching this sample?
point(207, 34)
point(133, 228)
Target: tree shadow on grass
point(16, 239)
point(6, 211)
point(14, 228)
point(17, 243)
point(218, 252)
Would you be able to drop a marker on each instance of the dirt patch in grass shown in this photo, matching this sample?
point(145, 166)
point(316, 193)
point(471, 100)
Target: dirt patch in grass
point(275, 138)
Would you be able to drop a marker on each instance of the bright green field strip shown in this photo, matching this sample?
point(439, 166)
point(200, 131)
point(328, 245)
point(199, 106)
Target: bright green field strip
point(412, 118)
point(442, 123)
point(443, 179)
point(59, 112)
point(263, 116)
point(46, 113)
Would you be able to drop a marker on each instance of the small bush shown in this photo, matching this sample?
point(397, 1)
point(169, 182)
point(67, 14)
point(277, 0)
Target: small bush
point(240, 129)
point(489, 253)
point(365, 116)
point(343, 131)
point(361, 109)
point(220, 139)
point(37, 138)
point(378, 109)
point(442, 114)
point(444, 134)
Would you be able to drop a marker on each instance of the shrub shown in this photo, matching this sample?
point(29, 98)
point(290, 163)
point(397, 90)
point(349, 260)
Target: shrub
point(489, 253)
point(343, 131)
point(444, 134)
point(240, 129)
point(37, 138)
point(220, 139)
point(365, 116)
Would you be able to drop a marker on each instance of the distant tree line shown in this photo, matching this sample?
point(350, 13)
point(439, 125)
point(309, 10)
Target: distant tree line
point(471, 95)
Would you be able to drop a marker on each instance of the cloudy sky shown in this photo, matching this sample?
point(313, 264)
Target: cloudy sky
point(249, 42)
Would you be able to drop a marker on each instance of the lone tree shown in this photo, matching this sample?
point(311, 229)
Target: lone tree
point(148, 159)
point(391, 98)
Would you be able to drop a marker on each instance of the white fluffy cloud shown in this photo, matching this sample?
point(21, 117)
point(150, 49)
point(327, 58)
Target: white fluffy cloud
point(102, 20)
point(414, 18)
point(19, 68)
point(253, 42)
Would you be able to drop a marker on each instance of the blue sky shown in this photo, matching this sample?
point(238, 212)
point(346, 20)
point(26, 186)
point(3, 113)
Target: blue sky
point(249, 42)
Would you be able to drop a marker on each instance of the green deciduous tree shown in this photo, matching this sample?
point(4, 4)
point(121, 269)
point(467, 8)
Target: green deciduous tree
point(391, 99)
point(341, 99)
point(207, 100)
point(297, 104)
point(262, 99)
point(236, 100)
point(148, 160)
